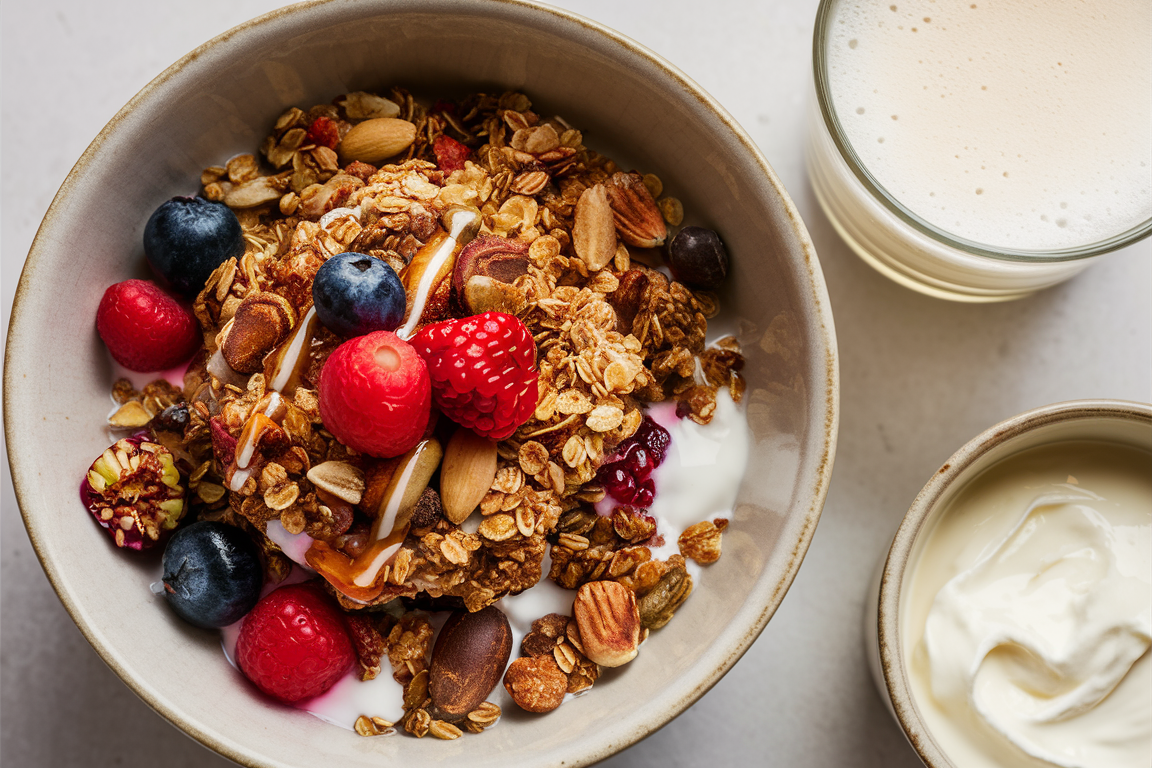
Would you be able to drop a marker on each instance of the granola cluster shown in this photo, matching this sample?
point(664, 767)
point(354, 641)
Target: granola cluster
point(567, 243)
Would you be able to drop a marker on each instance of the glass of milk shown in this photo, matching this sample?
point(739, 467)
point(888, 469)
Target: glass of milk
point(981, 150)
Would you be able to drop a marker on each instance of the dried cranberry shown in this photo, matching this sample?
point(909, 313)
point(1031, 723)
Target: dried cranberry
point(133, 490)
point(323, 132)
point(450, 154)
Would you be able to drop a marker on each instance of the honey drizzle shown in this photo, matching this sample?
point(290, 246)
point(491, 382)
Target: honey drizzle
point(290, 362)
point(249, 437)
point(356, 577)
point(445, 251)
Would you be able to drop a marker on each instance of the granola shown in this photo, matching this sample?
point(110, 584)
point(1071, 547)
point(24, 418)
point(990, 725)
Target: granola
point(561, 238)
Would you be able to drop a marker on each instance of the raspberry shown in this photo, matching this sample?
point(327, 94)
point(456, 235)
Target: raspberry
point(294, 644)
point(483, 371)
point(144, 328)
point(375, 395)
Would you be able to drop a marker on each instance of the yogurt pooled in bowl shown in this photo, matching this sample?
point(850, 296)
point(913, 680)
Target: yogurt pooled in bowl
point(1030, 615)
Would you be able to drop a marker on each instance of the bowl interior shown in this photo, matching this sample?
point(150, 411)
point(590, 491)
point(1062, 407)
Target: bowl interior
point(1120, 423)
point(221, 100)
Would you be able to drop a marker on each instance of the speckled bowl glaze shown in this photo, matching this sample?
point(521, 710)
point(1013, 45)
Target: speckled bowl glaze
point(220, 100)
point(1113, 421)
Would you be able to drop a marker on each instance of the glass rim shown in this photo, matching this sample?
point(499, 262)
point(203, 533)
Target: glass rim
point(880, 194)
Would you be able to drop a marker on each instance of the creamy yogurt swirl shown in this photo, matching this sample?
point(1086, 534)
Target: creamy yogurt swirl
point(1041, 630)
point(1040, 637)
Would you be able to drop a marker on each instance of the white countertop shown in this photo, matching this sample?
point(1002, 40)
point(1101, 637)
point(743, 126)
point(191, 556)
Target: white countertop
point(919, 377)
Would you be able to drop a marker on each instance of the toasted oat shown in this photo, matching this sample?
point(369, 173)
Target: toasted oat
point(701, 542)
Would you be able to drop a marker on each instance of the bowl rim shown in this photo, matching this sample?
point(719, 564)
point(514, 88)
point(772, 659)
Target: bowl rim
point(916, 522)
point(817, 299)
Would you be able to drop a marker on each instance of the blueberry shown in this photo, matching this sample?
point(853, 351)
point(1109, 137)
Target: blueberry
point(212, 574)
point(186, 238)
point(356, 294)
point(697, 258)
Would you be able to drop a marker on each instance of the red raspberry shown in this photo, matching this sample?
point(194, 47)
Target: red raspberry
point(144, 328)
point(483, 371)
point(294, 644)
point(374, 394)
point(450, 154)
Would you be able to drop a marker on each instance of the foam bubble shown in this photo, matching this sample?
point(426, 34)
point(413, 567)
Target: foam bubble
point(1052, 97)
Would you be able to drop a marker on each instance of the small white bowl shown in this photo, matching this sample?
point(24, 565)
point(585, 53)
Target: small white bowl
point(1111, 421)
point(220, 100)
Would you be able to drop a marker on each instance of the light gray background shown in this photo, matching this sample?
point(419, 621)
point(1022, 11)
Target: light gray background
point(919, 378)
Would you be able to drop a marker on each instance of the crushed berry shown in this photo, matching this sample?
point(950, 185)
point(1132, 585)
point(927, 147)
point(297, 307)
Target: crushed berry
point(655, 438)
point(617, 482)
point(645, 493)
point(627, 475)
point(323, 132)
point(637, 461)
point(450, 154)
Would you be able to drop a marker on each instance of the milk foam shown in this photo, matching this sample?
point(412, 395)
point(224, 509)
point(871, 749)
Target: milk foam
point(1023, 124)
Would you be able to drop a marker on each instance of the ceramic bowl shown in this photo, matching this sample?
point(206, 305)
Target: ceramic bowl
point(220, 100)
point(1107, 421)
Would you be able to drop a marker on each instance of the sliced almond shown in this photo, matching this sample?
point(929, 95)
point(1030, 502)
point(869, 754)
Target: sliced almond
point(391, 477)
point(378, 139)
point(467, 474)
point(131, 414)
point(340, 479)
point(594, 231)
point(263, 189)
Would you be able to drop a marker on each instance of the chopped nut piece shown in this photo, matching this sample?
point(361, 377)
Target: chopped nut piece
point(130, 415)
point(536, 684)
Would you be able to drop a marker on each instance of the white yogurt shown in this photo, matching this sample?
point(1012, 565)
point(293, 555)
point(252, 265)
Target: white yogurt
point(1030, 614)
point(700, 475)
point(293, 545)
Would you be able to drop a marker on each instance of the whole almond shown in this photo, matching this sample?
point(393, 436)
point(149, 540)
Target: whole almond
point(468, 660)
point(594, 231)
point(609, 622)
point(467, 473)
point(378, 139)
